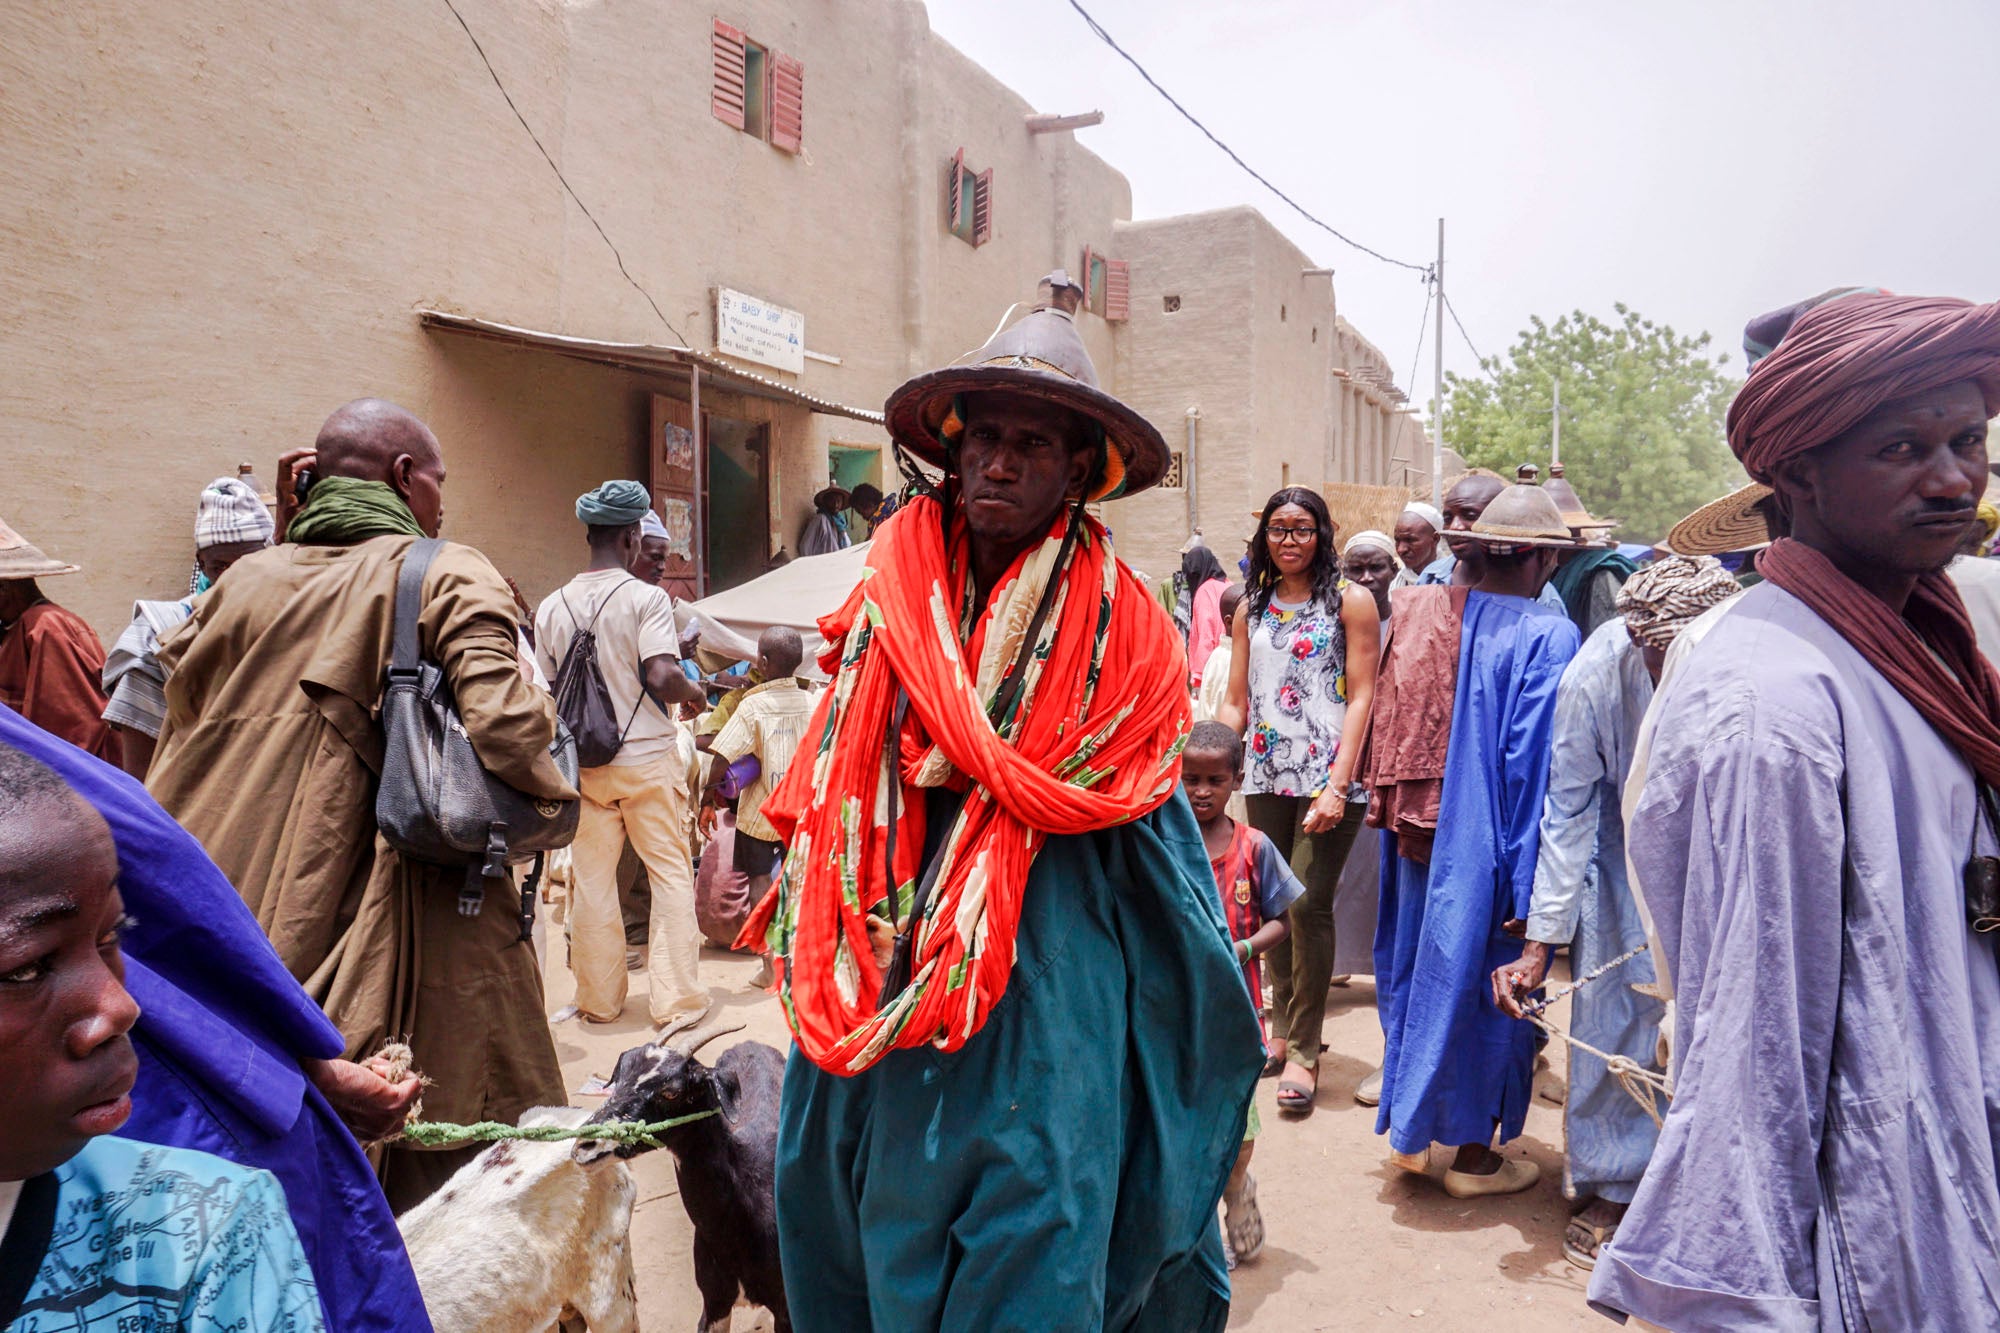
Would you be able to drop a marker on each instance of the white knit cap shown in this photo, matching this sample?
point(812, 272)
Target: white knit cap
point(1381, 541)
point(650, 526)
point(230, 511)
point(1427, 512)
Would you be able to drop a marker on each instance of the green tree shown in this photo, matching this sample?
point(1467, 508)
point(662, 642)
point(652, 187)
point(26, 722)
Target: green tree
point(1642, 428)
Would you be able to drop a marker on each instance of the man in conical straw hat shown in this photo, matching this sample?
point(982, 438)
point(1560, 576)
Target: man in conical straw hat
point(50, 657)
point(992, 816)
point(1455, 1068)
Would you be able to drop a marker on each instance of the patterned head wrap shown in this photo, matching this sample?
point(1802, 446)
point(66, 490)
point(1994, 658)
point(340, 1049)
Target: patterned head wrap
point(229, 511)
point(1839, 360)
point(1989, 521)
point(1659, 601)
point(614, 504)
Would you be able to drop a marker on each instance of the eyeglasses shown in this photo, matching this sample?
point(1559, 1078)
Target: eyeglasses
point(1296, 536)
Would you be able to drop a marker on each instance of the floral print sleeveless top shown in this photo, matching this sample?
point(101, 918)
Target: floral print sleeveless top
point(1297, 696)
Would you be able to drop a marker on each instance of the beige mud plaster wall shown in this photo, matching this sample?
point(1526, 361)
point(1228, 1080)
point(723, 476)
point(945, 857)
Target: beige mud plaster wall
point(1292, 326)
point(210, 236)
point(524, 433)
point(1200, 355)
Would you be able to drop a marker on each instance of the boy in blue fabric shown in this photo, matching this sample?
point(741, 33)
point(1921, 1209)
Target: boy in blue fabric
point(1257, 887)
point(97, 1231)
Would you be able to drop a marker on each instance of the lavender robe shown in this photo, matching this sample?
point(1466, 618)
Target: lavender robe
point(1583, 899)
point(1832, 1156)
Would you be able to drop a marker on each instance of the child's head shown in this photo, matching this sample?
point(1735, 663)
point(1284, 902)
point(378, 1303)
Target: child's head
point(1232, 597)
point(64, 1010)
point(1210, 766)
point(779, 652)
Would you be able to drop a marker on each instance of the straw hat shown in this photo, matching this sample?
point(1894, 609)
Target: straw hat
point(1521, 515)
point(1042, 356)
point(1587, 527)
point(1733, 523)
point(21, 559)
point(838, 496)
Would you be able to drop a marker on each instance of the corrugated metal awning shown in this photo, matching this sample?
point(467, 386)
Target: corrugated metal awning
point(647, 357)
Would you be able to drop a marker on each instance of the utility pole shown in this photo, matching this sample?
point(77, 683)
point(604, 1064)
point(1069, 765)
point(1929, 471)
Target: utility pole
point(1556, 439)
point(1437, 403)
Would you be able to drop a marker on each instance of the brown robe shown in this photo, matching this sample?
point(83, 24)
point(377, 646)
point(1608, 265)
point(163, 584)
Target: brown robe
point(269, 756)
point(51, 665)
point(1409, 728)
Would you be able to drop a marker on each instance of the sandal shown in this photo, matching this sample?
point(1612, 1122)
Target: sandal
point(1584, 1240)
point(1274, 1060)
point(1296, 1098)
point(1243, 1222)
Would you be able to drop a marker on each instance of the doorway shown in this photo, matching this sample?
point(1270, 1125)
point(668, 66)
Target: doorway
point(850, 465)
point(738, 502)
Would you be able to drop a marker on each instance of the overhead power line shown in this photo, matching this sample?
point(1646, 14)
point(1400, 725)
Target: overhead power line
point(567, 187)
point(1256, 175)
point(1452, 310)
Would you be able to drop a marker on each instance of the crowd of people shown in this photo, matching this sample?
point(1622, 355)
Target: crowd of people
point(1039, 913)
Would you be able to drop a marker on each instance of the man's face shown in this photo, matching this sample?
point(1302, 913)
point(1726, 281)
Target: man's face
point(1416, 541)
point(1463, 504)
point(64, 1010)
point(1899, 491)
point(420, 481)
point(1372, 568)
point(214, 560)
point(1018, 460)
point(650, 564)
point(1208, 780)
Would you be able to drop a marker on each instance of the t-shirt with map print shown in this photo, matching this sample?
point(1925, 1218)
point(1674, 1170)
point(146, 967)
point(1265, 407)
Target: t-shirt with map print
point(135, 1237)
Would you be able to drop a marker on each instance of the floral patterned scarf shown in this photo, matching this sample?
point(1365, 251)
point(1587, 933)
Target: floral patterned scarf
point(1092, 740)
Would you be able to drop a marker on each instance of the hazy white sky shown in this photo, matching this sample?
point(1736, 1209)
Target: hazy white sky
point(1701, 160)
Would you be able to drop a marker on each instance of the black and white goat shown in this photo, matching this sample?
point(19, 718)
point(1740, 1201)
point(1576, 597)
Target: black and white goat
point(726, 1164)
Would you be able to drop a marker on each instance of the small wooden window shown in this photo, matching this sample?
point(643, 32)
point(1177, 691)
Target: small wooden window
point(969, 202)
point(788, 102)
point(1175, 478)
point(1107, 286)
point(757, 90)
point(729, 50)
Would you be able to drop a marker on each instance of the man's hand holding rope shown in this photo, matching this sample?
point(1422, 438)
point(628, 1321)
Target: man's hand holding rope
point(1515, 981)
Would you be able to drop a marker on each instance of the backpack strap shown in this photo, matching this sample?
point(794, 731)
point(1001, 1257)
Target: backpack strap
point(405, 650)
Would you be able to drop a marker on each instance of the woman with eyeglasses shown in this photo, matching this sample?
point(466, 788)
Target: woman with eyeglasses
point(1302, 677)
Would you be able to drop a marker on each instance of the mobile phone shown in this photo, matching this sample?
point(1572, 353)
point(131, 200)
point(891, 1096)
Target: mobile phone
point(302, 481)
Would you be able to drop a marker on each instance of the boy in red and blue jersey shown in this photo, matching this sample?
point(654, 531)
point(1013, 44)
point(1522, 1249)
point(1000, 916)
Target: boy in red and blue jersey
point(1257, 886)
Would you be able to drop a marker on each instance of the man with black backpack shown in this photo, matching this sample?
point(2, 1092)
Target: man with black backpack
point(607, 641)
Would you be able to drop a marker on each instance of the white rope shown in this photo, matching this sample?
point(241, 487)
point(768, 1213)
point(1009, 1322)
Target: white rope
point(1643, 1085)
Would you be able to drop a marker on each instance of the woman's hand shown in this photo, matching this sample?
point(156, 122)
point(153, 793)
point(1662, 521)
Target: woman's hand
point(1327, 809)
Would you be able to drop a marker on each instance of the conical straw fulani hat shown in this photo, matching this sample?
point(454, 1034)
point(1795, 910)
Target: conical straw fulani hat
point(1733, 523)
point(1521, 515)
point(22, 559)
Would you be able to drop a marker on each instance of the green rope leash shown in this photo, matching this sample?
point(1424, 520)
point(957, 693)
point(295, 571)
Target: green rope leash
point(443, 1134)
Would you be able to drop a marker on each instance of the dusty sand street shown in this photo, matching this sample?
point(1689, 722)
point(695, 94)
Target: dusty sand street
point(1351, 1241)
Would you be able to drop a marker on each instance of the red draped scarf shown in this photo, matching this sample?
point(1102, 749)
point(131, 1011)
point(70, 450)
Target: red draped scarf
point(1093, 741)
point(1928, 653)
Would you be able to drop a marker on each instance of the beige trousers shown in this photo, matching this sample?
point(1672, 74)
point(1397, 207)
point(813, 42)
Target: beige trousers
point(647, 803)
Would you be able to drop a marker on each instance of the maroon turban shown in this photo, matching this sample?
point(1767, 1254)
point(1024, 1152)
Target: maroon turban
point(1842, 359)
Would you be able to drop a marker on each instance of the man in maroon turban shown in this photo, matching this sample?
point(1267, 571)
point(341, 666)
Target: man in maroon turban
point(1812, 836)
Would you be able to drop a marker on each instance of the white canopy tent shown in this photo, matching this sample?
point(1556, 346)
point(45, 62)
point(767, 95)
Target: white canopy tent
point(797, 594)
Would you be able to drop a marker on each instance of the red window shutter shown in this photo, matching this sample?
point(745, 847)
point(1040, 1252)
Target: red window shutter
point(953, 189)
point(1117, 289)
point(982, 207)
point(729, 58)
point(788, 102)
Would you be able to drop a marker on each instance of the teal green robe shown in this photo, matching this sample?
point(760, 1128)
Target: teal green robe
point(1060, 1171)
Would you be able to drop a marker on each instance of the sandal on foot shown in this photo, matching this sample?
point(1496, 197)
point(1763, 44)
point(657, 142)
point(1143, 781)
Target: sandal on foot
point(1584, 1240)
point(1515, 1174)
point(1295, 1098)
point(1243, 1222)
